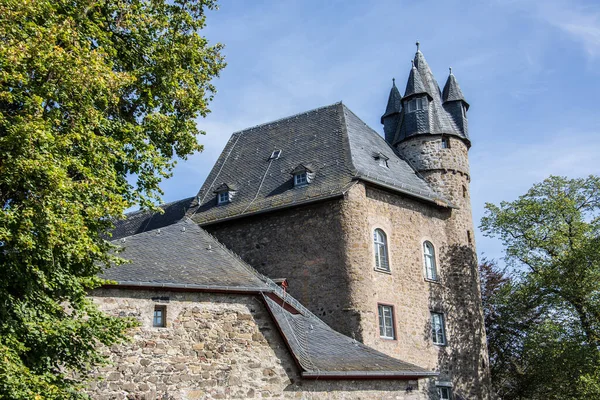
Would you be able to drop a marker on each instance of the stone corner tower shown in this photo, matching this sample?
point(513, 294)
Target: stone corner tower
point(430, 131)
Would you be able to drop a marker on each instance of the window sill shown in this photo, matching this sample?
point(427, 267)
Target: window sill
point(441, 344)
point(387, 339)
point(383, 271)
point(437, 281)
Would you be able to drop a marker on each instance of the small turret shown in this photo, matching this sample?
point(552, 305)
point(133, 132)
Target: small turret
point(455, 103)
point(391, 117)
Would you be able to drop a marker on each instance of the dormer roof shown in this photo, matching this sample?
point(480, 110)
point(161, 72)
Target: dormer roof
point(223, 188)
point(300, 168)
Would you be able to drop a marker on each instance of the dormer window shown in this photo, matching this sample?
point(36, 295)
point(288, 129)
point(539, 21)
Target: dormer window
point(223, 197)
point(300, 179)
point(224, 194)
point(303, 175)
point(416, 104)
point(381, 159)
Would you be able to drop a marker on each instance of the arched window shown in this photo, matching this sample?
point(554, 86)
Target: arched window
point(429, 256)
point(381, 253)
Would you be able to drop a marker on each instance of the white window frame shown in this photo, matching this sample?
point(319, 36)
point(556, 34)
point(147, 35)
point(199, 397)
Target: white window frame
point(385, 313)
point(445, 392)
point(430, 261)
point(416, 104)
point(223, 197)
point(301, 179)
point(380, 246)
point(438, 329)
point(159, 317)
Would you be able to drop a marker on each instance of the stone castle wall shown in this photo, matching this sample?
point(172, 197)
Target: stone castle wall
point(302, 244)
point(326, 252)
point(215, 346)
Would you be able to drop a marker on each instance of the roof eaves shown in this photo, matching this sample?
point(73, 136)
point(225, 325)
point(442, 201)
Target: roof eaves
point(197, 217)
point(189, 287)
point(439, 201)
point(367, 374)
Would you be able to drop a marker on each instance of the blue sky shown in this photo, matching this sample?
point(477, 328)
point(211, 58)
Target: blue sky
point(529, 69)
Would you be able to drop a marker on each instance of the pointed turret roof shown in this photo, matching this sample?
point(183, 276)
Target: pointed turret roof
point(433, 121)
point(429, 81)
point(415, 83)
point(452, 90)
point(394, 104)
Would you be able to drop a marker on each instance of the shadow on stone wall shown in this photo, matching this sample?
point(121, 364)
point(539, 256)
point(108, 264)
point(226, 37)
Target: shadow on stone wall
point(463, 360)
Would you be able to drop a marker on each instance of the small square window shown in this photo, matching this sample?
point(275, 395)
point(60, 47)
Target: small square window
point(386, 322)
point(445, 143)
point(275, 155)
point(160, 316)
point(223, 197)
point(300, 179)
point(438, 331)
point(445, 393)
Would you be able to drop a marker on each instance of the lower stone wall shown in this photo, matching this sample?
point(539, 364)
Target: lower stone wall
point(214, 346)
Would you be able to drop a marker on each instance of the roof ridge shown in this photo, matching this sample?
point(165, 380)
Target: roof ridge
point(285, 118)
point(141, 211)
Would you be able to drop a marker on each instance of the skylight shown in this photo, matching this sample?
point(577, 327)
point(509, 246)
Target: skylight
point(275, 155)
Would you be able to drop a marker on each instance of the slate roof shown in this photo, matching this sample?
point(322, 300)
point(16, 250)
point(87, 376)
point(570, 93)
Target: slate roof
point(452, 90)
point(394, 104)
point(184, 256)
point(435, 120)
point(323, 352)
point(331, 139)
point(142, 221)
point(415, 84)
point(181, 254)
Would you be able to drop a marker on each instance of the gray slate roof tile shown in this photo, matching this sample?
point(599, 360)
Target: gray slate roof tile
point(322, 351)
point(331, 139)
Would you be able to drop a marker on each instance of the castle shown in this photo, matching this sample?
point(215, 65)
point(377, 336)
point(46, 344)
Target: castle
point(337, 229)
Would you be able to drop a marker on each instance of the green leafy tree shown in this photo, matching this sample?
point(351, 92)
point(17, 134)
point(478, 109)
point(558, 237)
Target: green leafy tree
point(91, 93)
point(543, 319)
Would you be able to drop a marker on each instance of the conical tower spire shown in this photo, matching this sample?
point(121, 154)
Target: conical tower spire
point(415, 84)
point(391, 117)
point(452, 90)
point(429, 81)
point(394, 104)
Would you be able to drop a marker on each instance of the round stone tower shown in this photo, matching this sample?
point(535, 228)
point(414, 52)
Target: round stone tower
point(432, 135)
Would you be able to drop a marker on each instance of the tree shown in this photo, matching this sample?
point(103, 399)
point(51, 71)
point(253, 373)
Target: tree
point(91, 93)
point(543, 319)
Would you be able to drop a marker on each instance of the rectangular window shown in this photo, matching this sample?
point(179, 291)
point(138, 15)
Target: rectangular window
point(160, 316)
point(417, 104)
point(445, 393)
point(445, 143)
point(223, 197)
point(438, 331)
point(386, 321)
point(300, 179)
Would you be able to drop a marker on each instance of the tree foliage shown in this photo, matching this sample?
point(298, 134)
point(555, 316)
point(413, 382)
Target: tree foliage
point(543, 317)
point(91, 93)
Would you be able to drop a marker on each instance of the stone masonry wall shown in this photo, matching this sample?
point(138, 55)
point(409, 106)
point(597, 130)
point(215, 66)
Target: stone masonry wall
point(407, 224)
point(215, 346)
point(302, 244)
point(426, 153)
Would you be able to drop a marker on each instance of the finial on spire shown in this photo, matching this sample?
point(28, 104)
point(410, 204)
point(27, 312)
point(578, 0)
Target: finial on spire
point(418, 45)
point(394, 81)
point(450, 68)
